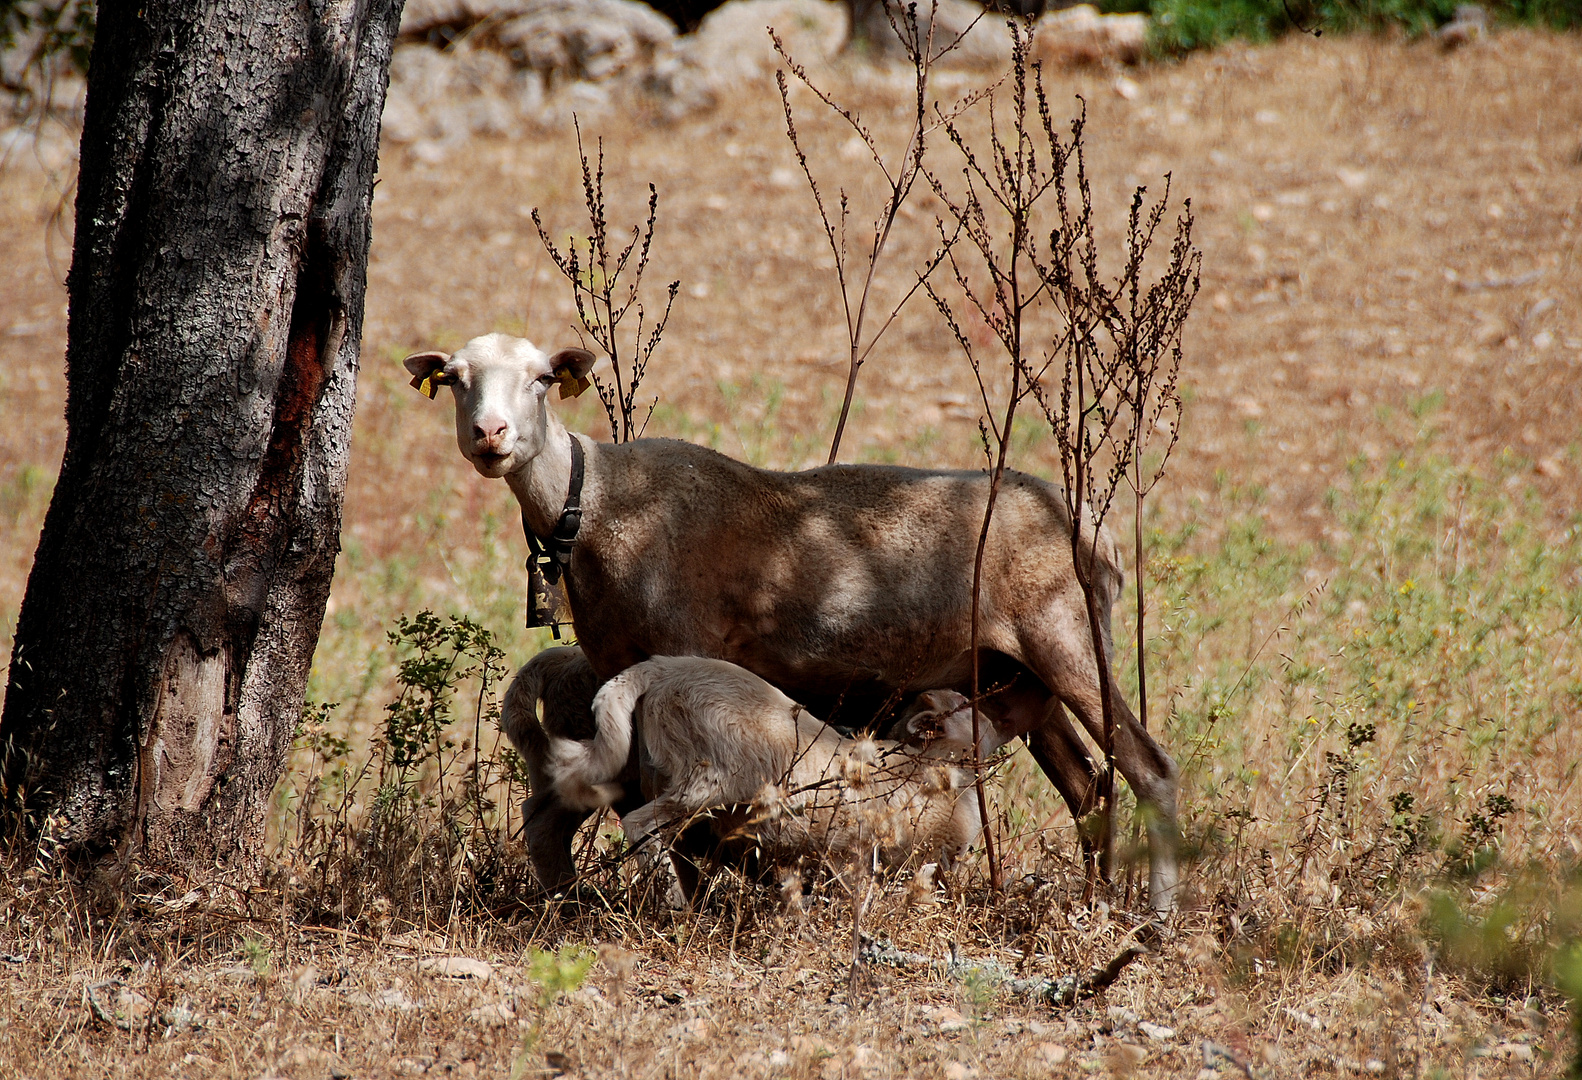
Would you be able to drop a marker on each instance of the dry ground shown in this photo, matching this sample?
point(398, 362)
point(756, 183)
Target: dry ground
point(1390, 239)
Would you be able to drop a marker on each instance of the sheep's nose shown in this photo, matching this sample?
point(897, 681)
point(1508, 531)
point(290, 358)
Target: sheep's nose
point(488, 429)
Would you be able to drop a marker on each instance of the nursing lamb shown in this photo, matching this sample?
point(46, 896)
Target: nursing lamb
point(720, 742)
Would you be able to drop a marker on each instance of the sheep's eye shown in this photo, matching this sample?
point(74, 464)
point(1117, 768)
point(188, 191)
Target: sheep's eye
point(548, 380)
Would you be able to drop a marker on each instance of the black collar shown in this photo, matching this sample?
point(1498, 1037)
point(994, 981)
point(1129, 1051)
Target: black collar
point(551, 558)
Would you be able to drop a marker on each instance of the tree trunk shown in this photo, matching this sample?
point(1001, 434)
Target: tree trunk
point(217, 281)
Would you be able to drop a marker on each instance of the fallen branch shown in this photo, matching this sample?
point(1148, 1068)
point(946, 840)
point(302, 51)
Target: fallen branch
point(1063, 991)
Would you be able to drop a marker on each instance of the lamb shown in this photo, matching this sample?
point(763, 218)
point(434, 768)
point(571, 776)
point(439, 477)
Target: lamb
point(563, 680)
point(838, 585)
point(718, 738)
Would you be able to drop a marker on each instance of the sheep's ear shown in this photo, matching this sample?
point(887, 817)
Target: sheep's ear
point(424, 367)
point(571, 367)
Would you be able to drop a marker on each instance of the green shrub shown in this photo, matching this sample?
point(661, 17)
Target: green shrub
point(1183, 25)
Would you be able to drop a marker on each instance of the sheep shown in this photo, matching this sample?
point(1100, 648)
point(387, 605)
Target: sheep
point(716, 737)
point(837, 585)
point(562, 681)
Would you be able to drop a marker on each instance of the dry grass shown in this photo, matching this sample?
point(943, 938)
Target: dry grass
point(1380, 457)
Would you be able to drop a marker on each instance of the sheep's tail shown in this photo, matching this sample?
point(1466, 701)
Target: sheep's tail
point(583, 771)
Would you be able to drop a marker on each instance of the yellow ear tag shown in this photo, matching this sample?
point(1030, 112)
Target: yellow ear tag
point(425, 384)
point(571, 385)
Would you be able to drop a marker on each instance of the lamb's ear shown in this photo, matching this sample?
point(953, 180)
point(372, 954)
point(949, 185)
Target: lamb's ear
point(423, 366)
point(571, 367)
point(942, 717)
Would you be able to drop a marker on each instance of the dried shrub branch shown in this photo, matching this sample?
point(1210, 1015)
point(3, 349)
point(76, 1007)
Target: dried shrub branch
point(1119, 351)
point(900, 175)
point(603, 300)
point(994, 216)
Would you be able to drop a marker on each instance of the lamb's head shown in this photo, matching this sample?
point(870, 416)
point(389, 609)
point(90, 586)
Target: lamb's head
point(500, 384)
point(940, 722)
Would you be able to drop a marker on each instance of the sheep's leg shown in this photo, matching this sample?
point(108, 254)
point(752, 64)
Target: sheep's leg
point(1143, 762)
point(1152, 775)
point(1060, 752)
point(550, 827)
point(1026, 707)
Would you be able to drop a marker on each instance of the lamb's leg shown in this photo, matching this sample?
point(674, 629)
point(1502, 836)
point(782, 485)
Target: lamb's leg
point(549, 828)
point(642, 835)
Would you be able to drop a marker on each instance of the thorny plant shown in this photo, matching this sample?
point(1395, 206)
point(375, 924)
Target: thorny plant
point(1114, 351)
point(855, 280)
point(595, 271)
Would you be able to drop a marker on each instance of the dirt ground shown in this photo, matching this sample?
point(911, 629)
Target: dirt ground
point(1390, 246)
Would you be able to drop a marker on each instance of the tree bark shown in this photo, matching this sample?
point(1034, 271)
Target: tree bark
point(217, 281)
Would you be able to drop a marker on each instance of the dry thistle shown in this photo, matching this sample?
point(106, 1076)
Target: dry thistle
point(920, 891)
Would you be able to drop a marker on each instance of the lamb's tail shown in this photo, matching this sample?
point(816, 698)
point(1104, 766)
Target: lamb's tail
point(583, 771)
point(519, 721)
point(565, 677)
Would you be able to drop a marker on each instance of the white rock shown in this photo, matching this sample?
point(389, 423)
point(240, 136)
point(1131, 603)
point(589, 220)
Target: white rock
point(1080, 35)
point(494, 1015)
point(457, 967)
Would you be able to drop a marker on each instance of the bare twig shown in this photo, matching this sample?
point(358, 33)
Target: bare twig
point(1064, 990)
point(603, 301)
point(900, 174)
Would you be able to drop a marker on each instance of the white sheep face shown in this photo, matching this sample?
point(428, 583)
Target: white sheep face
point(500, 384)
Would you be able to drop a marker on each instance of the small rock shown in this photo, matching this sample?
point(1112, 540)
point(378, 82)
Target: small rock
point(696, 1028)
point(955, 1070)
point(113, 1003)
point(1129, 1055)
point(1080, 35)
point(1122, 1019)
point(947, 1020)
point(182, 1016)
point(393, 999)
point(494, 1015)
point(1156, 1031)
point(1351, 178)
point(1050, 1053)
point(457, 967)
